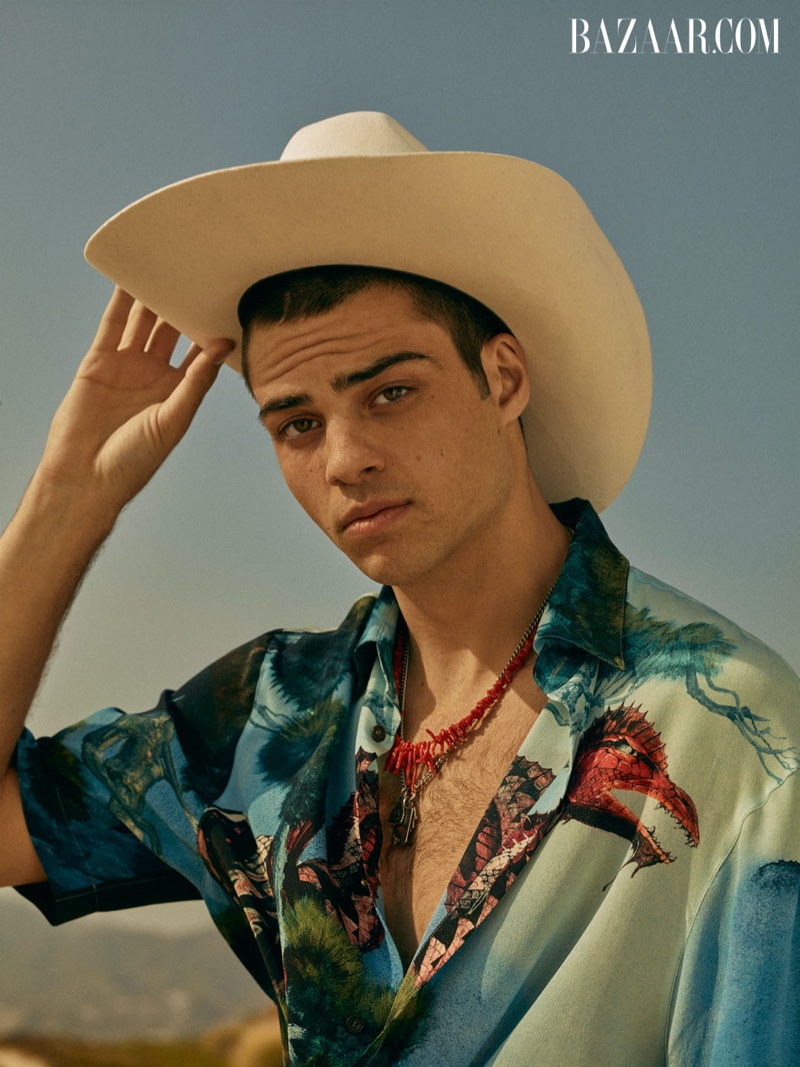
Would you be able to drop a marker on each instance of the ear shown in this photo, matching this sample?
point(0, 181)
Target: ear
point(506, 368)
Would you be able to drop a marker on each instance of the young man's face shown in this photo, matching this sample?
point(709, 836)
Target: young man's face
point(382, 435)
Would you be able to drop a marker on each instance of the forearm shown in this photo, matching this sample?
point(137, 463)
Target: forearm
point(44, 554)
point(126, 410)
point(124, 413)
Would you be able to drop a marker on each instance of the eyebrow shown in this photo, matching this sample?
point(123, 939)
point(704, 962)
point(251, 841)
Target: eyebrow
point(342, 382)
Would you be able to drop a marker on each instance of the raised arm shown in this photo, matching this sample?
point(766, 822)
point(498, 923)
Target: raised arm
point(124, 413)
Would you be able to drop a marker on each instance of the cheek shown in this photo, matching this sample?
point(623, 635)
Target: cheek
point(449, 448)
point(303, 481)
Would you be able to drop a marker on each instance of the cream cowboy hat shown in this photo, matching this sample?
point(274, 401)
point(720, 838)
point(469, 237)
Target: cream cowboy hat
point(360, 189)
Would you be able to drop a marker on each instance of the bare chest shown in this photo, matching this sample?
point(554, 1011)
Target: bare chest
point(450, 808)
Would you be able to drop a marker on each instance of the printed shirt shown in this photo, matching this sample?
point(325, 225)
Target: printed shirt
point(630, 897)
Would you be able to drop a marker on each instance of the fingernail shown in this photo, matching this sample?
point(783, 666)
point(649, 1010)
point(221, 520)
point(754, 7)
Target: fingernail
point(222, 353)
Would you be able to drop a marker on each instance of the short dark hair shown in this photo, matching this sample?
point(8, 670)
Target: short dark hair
point(310, 291)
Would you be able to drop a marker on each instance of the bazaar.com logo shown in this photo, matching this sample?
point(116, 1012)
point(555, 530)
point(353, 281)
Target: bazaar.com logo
point(634, 36)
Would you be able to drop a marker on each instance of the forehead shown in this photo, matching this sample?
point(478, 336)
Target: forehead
point(373, 323)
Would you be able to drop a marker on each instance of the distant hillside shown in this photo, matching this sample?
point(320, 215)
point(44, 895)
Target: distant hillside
point(114, 985)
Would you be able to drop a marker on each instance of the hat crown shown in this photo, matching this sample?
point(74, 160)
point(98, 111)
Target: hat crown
point(358, 133)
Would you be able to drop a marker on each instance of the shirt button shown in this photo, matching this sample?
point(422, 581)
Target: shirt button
point(354, 1024)
point(378, 733)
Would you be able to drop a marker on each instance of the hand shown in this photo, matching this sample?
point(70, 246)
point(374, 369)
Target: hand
point(128, 406)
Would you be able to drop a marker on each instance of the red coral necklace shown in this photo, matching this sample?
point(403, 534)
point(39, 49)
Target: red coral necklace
point(407, 758)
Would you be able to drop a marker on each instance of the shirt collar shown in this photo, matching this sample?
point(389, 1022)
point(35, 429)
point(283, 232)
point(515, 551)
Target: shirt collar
point(378, 637)
point(586, 608)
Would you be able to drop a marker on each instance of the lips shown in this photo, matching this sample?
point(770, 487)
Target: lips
point(366, 517)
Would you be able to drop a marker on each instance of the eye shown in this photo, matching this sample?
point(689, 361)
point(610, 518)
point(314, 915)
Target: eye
point(623, 746)
point(297, 428)
point(391, 394)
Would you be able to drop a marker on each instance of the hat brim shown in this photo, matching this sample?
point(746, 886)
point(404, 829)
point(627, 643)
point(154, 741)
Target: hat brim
point(509, 232)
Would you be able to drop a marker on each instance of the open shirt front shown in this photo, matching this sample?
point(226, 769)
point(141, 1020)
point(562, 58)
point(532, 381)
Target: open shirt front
point(630, 897)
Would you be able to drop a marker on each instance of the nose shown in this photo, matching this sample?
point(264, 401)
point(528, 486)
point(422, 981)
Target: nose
point(349, 453)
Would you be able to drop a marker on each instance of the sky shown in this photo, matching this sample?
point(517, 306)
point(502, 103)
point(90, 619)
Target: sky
point(689, 162)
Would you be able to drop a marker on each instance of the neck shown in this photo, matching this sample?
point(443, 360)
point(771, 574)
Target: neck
point(470, 615)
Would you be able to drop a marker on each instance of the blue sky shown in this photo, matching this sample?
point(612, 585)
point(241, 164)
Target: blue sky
point(689, 163)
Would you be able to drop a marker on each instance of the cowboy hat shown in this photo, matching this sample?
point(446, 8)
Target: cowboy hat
point(360, 189)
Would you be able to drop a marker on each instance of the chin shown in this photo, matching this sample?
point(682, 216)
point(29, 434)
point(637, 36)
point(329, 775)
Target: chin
point(402, 570)
point(382, 571)
point(379, 567)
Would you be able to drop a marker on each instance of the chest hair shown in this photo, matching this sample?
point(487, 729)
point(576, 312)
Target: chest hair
point(450, 807)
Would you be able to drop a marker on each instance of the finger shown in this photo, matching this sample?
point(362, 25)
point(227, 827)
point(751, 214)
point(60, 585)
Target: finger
point(192, 354)
point(199, 369)
point(162, 341)
point(141, 321)
point(216, 352)
point(114, 320)
point(219, 349)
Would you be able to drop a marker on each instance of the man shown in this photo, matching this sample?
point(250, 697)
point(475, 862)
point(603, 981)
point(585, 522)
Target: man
point(529, 805)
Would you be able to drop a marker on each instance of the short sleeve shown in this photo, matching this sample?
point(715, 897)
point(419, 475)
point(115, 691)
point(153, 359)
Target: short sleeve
point(737, 997)
point(113, 803)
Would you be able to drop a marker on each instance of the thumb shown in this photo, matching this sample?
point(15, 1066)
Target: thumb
point(200, 366)
point(199, 369)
